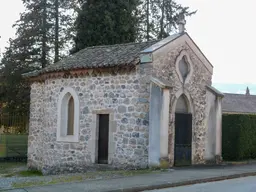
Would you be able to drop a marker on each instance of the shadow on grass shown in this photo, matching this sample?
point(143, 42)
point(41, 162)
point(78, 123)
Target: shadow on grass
point(30, 173)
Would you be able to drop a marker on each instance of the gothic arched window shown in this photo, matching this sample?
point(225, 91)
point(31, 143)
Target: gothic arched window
point(68, 116)
point(70, 119)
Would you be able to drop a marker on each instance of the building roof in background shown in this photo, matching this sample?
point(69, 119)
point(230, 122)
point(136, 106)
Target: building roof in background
point(238, 103)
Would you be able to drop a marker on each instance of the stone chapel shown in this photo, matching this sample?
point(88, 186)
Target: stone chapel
point(128, 106)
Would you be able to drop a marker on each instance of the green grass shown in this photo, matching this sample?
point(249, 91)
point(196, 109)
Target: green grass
point(10, 175)
point(30, 173)
point(11, 169)
point(83, 177)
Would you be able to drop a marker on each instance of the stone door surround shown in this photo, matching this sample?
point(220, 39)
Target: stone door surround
point(93, 142)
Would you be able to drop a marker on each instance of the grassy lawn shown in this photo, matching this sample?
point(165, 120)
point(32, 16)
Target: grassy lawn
point(9, 169)
point(19, 169)
point(240, 162)
point(83, 177)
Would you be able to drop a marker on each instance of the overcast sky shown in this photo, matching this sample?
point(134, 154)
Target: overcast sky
point(223, 29)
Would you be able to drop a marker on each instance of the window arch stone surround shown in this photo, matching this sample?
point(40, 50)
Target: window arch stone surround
point(184, 55)
point(62, 125)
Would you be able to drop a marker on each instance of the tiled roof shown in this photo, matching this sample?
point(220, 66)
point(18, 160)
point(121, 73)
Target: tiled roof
point(238, 103)
point(98, 57)
point(106, 56)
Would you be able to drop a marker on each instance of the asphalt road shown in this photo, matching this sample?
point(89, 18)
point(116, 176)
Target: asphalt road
point(246, 184)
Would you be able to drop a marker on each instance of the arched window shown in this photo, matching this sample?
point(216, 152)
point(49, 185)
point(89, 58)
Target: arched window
point(70, 123)
point(68, 116)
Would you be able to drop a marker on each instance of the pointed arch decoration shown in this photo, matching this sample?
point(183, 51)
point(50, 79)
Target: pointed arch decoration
point(184, 67)
point(68, 116)
point(187, 99)
point(182, 105)
point(181, 98)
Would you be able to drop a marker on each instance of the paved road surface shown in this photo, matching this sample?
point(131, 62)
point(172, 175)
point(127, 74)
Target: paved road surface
point(152, 180)
point(246, 184)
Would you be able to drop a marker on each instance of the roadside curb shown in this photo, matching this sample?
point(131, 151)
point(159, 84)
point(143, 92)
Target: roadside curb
point(183, 183)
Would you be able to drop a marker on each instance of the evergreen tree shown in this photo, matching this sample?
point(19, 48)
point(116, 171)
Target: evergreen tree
point(159, 18)
point(40, 36)
point(50, 24)
point(34, 24)
point(14, 90)
point(105, 23)
point(64, 13)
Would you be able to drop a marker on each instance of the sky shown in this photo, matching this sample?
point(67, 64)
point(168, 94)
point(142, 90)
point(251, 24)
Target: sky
point(223, 29)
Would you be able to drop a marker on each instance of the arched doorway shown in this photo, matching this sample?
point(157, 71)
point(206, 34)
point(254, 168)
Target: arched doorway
point(183, 132)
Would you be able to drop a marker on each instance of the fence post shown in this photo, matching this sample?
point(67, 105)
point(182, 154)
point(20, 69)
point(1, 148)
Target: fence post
point(6, 141)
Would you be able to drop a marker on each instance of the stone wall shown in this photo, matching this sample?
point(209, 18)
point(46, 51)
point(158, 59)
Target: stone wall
point(119, 93)
point(35, 139)
point(126, 95)
point(164, 67)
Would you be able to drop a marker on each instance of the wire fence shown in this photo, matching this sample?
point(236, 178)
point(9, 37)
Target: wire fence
point(13, 124)
point(13, 147)
point(13, 137)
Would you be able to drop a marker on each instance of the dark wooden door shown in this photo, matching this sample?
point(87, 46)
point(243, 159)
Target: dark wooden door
point(183, 139)
point(103, 139)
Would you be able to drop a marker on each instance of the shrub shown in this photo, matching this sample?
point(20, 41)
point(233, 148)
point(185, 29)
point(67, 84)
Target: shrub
point(238, 137)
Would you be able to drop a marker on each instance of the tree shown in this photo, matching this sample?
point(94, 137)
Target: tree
point(34, 24)
point(50, 24)
point(56, 40)
point(14, 90)
point(159, 18)
point(105, 23)
point(40, 36)
point(64, 13)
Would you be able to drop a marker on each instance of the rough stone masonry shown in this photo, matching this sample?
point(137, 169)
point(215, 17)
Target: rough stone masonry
point(121, 90)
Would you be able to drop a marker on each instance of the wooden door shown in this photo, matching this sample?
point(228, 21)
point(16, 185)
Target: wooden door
point(103, 139)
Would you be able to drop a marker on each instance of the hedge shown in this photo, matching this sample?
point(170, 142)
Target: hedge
point(238, 137)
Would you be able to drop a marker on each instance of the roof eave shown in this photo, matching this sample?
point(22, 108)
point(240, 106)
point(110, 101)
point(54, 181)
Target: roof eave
point(161, 43)
point(164, 84)
point(215, 91)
